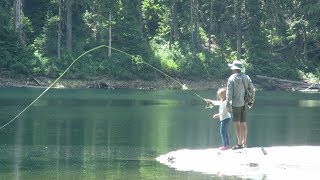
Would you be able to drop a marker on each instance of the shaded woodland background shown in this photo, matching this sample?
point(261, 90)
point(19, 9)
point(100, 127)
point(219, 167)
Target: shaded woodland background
point(190, 39)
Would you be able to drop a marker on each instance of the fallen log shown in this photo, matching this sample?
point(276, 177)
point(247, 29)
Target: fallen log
point(282, 80)
point(310, 90)
point(37, 81)
point(287, 84)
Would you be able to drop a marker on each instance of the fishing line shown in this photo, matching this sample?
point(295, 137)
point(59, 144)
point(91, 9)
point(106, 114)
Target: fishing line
point(3, 126)
point(136, 59)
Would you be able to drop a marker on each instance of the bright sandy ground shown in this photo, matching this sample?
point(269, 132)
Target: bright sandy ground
point(296, 162)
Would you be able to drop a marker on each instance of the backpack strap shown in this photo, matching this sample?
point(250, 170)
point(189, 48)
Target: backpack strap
point(244, 84)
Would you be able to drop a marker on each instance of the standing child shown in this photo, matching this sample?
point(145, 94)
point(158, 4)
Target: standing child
point(224, 116)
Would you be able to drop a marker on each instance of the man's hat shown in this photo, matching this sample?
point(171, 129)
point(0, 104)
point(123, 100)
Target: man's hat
point(235, 65)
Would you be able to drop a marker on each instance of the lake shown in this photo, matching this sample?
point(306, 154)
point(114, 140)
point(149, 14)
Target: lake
point(117, 134)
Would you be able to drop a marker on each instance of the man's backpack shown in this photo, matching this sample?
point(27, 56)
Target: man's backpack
point(249, 91)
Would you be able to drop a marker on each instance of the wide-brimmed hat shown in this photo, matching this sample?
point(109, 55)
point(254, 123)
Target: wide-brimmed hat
point(235, 65)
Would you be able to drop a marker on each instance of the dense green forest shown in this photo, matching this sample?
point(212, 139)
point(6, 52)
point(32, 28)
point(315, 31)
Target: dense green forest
point(189, 39)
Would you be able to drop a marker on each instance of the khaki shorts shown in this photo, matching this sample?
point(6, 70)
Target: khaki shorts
point(239, 114)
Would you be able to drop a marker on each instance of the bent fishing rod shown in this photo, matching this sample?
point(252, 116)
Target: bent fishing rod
point(136, 59)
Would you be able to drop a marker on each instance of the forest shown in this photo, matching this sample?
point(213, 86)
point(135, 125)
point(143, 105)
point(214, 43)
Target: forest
point(188, 39)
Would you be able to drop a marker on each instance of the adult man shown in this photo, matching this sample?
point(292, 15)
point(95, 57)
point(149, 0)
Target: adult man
point(236, 89)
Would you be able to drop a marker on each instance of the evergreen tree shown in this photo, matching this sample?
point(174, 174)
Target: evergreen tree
point(185, 38)
point(256, 44)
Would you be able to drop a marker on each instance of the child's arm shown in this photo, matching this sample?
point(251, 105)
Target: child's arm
point(215, 116)
point(214, 103)
point(222, 110)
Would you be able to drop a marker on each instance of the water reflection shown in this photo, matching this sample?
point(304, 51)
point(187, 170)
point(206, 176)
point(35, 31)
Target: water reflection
point(309, 103)
point(94, 134)
point(18, 149)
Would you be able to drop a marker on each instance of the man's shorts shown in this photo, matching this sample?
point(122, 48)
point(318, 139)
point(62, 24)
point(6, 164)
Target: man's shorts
point(239, 114)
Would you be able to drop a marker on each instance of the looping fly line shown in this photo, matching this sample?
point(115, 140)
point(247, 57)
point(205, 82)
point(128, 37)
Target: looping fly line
point(136, 59)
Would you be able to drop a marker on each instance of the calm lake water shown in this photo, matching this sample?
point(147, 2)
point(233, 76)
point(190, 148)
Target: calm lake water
point(117, 134)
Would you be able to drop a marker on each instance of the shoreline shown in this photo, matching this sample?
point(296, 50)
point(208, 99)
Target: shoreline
point(270, 84)
point(107, 83)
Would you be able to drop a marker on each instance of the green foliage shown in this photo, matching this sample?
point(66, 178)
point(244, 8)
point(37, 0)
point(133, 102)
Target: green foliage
point(173, 36)
point(310, 77)
point(168, 58)
point(175, 60)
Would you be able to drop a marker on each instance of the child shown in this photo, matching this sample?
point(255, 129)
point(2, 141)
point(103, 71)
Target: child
point(224, 116)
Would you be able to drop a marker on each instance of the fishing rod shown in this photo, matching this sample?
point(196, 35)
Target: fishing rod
point(136, 59)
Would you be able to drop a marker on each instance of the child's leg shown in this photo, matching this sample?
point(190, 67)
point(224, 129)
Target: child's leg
point(223, 132)
point(226, 131)
point(224, 124)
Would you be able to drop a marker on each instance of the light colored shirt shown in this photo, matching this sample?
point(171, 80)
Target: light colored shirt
point(236, 89)
point(223, 113)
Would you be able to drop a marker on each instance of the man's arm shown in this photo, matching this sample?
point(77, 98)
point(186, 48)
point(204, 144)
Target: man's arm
point(229, 94)
point(250, 85)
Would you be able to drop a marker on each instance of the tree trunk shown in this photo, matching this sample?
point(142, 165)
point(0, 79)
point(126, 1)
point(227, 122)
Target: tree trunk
point(173, 24)
point(175, 21)
point(284, 82)
point(194, 16)
point(305, 55)
point(18, 13)
point(210, 26)
point(139, 7)
point(59, 32)
point(192, 28)
point(197, 23)
point(238, 22)
point(110, 38)
point(171, 35)
point(142, 38)
point(69, 25)
point(272, 11)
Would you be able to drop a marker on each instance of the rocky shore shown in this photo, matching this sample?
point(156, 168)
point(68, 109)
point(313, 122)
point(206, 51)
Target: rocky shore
point(260, 82)
point(106, 83)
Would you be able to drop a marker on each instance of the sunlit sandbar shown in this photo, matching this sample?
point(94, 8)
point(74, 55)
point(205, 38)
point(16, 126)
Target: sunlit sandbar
point(280, 162)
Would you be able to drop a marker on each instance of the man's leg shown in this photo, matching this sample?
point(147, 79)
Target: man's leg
point(237, 116)
point(244, 132)
point(243, 126)
point(237, 127)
